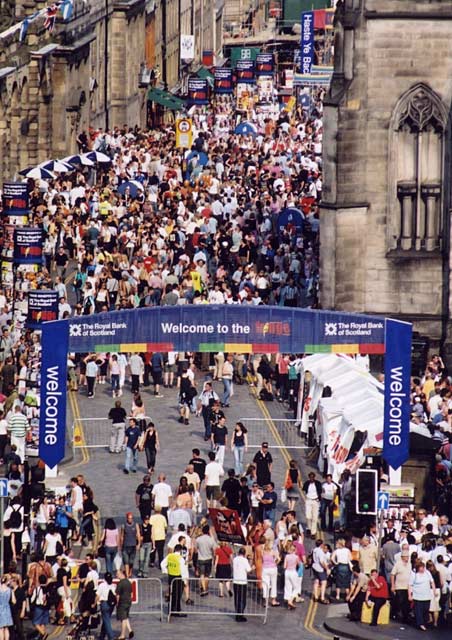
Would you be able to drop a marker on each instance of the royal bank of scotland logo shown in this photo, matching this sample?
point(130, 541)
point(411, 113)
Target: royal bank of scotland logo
point(331, 328)
point(75, 330)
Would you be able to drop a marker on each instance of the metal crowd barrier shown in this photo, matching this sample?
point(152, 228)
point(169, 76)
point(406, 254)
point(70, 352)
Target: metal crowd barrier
point(148, 599)
point(93, 433)
point(278, 432)
point(212, 604)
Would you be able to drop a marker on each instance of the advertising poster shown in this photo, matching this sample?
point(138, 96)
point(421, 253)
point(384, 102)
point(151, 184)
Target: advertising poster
point(42, 307)
point(15, 198)
point(27, 245)
point(198, 91)
point(244, 71)
point(264, 64)
point(223, 80)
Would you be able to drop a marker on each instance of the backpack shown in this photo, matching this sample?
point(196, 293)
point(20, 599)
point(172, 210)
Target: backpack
point(292, 372)
point(111, 599)
point(15, 519)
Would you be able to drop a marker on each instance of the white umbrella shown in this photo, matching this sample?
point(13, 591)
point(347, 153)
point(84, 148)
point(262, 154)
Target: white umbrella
point(57, 166)
point(38, 173)
point(97, 156)
point(78, 160)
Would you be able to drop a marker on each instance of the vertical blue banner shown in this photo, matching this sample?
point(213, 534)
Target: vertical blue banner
point(396, 433)
point(307, 42)
point(52, 419)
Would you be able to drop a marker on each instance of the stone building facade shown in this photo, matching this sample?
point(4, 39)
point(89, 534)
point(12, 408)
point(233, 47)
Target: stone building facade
point(83, 74)
point(91, 71)
point(385, 217)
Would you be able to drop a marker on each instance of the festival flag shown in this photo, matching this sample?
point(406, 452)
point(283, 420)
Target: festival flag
point(67, 8)
point(51, 13)
point(23, 29)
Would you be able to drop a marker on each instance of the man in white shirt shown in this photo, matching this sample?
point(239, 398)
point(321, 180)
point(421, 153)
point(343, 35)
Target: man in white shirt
point(136, 365)
point(214, 471)
point(240, 570)
point(162, 495)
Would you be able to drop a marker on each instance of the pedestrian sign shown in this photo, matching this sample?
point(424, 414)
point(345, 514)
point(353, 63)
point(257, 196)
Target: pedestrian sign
point(4, 487)
point(382, 500)
point(184, 133)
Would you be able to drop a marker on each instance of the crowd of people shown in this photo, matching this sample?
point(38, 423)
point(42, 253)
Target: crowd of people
point(163, 226)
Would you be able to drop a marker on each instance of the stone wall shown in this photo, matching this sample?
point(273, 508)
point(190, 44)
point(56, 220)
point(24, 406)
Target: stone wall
point(383, 49)
point(50, 93)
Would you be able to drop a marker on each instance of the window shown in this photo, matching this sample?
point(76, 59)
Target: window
point(416, 171)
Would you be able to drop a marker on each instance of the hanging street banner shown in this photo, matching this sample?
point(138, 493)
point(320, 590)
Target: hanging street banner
point(230, 328)
point(15, 199)
point(52, 419)
point(198, 91)
point(187, 47)
point(244, 71)
point(42, 307)
point(27, 245)
point(264, 64)
point(223, 80)
point(307, 42)
point(396, 430)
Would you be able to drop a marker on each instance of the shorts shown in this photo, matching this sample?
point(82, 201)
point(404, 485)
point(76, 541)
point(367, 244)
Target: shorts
point(169, 368)
point(128, 555)
point(205, 567)
point(123, 612)
point(157, 377)
point(321, 576)
point(213, 492)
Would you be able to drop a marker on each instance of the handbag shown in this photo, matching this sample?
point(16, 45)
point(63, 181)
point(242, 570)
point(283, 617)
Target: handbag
point(101, 551)
point(283, 495)
point(117, 561)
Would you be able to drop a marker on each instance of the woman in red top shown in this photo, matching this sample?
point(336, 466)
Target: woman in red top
point(378, 593)
point(223, 567)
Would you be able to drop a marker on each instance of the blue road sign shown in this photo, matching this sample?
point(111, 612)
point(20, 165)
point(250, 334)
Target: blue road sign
point(382, 500)
point(4, 486)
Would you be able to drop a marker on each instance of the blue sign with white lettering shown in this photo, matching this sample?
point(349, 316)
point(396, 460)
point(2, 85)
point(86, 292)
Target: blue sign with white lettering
point(307, 42)
point(382, 500)
point(396, 432)
point(4, 487)
point(52, 419)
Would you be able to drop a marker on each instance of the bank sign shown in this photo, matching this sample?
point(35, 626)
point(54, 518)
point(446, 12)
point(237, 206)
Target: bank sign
point(199, 328)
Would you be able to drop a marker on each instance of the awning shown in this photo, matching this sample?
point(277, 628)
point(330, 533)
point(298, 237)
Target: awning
point(205, 74)
point(165, 99)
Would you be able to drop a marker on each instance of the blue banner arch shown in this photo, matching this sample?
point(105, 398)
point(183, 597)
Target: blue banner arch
point(208, 328)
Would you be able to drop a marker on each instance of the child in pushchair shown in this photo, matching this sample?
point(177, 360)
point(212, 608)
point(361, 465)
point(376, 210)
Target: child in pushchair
point(89, 618)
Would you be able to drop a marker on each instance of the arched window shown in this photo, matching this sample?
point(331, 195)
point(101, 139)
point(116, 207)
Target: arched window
point(416, 171)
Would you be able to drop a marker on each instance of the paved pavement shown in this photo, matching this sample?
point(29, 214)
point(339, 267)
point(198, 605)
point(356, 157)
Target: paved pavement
point(114, 493)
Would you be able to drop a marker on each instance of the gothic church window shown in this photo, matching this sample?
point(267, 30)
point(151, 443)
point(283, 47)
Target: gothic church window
point(418, 127)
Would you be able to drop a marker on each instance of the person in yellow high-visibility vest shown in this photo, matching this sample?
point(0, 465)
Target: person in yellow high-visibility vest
point(175, 567)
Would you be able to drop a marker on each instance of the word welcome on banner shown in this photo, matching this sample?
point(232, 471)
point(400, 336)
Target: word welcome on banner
point(52, 418)
point(396, 432)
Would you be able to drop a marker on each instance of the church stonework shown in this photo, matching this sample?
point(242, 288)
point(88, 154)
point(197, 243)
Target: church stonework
point(385, 216)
